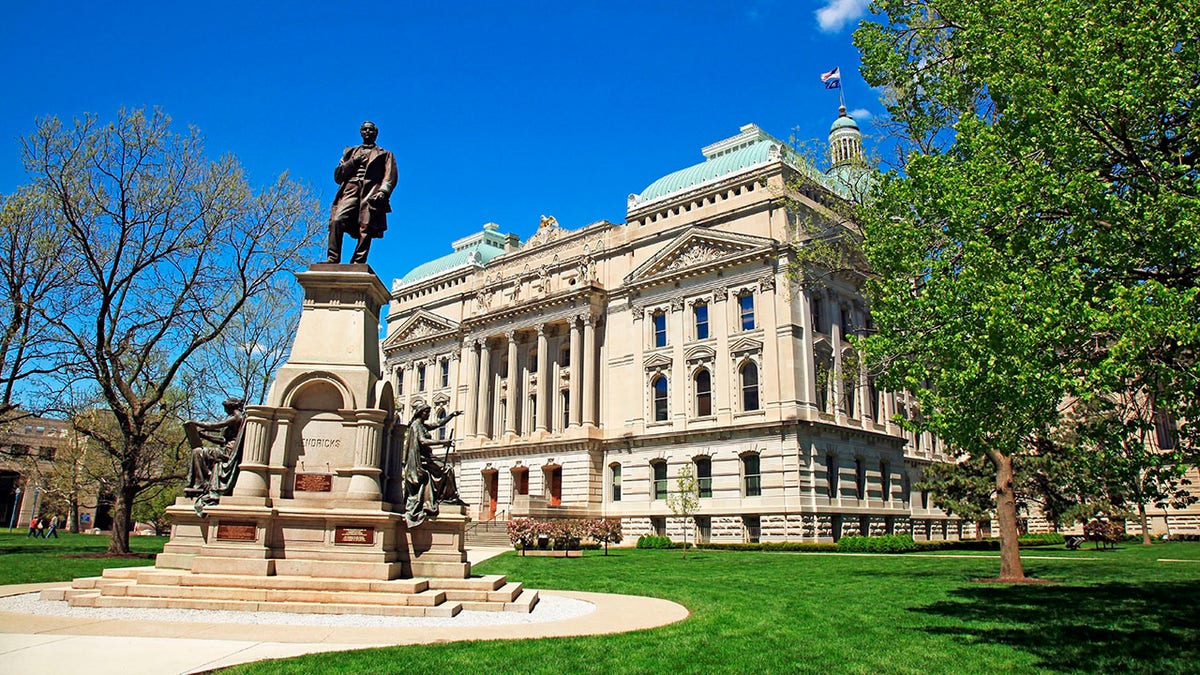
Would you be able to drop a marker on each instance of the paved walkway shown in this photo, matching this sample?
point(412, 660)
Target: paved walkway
point(48, 645)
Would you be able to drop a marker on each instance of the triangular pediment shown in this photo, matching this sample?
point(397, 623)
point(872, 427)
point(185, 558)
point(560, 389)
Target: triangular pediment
point(745, 345)
point(655, 361)
point(421, 325)
point(698, 250)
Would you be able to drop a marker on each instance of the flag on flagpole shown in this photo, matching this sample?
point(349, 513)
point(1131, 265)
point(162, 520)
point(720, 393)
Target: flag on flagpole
point(832, 79)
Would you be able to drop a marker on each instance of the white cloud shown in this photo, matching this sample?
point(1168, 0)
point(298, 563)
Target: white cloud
point(861, 114)
point(835, 15)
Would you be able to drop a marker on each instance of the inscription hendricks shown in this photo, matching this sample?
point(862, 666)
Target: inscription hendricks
point(321, 442)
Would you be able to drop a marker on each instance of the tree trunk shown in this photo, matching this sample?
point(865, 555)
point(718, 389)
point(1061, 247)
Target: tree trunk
point(1145, 520)
point(122, 517)
point(1006, 513)
point(74, 515)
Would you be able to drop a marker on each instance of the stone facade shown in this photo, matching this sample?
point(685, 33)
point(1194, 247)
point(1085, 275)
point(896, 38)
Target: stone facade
point(592, 364)
point(31, 449)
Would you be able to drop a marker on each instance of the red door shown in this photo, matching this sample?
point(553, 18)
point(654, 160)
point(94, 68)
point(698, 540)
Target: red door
point(493, 487)
point(554, 477)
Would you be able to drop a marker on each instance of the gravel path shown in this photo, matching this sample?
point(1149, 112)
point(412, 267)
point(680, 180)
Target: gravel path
point(549, 608)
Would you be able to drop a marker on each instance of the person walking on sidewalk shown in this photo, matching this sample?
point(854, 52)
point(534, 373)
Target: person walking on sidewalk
point(53, 531)
point(33, 528)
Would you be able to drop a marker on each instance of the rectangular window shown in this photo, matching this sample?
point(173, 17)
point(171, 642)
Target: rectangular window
point(860, 479)
point(753, 528)
point(746, 310)
point(660, 480)
point(750, 466)
point(660, 330)
point(701, 315)
point(566, 409)
point(704, 476)
point(400, 381)
point(885, 481)
point(616, 482)
point(445, 373)
point(831, 475)
point(421, 378)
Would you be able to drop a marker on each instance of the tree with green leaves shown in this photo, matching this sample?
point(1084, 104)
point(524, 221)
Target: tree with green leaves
point(685, 500)
point(168, 248)
point(1041, 238)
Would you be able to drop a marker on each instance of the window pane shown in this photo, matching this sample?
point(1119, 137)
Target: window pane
point(660, 480)
point(746, 305)
point(750, 386)
point(660, 399)
point(753, 479)
point(616, 482)
point(445, 373)
point(660, 330)
point(701, 322)
point(703, 394)
point(704, 476)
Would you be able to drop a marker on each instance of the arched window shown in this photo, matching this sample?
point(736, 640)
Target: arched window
point(703, 382)
point(660, 479)
point(752, 478)
point(615, 470)
point(660, 329)
point(749, 374)
point(703, 475)
point(659, 392)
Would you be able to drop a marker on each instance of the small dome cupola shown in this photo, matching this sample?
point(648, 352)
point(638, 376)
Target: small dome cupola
point(845, 140)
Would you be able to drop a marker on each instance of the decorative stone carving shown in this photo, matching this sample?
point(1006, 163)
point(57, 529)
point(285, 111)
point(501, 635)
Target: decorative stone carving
point(677, 304)
point(767, 283)
point(696, 254)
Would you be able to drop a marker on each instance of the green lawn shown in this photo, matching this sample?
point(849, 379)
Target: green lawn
point(785, 612)
point(28, 561)
point(779, 612)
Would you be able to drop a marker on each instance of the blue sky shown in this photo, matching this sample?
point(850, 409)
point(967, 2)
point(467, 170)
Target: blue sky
point(496, 111)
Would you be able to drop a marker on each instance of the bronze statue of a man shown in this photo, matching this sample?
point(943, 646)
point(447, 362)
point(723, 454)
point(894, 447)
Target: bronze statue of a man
point(428, 481)
point(366, 176)
point(214, 466)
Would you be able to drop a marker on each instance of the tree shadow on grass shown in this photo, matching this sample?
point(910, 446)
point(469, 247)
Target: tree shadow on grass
point(1147, 627)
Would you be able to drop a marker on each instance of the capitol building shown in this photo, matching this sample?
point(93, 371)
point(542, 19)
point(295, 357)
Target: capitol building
point(593, 364)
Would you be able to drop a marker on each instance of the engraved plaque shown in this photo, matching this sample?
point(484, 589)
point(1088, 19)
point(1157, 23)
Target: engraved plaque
point(354, 535)
point(314, 482)
point(236, 531)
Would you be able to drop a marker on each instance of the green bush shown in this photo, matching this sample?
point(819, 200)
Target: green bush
point(781, 546)
point(654, 541)
point(888, 543)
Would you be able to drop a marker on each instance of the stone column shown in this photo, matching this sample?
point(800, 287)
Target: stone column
point(483, 404)
point(588, 360)
point(510, 417)
point(256, 434)
point(470, 361)
point(577, 359)
point(364, 481)
point(836, 384)
point(543, 369)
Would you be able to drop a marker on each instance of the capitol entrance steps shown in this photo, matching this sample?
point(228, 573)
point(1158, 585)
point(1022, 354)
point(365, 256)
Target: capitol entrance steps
point(181, 589)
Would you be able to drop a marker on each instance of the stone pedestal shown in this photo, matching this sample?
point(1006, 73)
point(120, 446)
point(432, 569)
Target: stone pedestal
point(312, 495)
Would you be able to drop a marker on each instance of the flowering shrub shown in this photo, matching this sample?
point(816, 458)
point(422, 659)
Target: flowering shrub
point(562, 534)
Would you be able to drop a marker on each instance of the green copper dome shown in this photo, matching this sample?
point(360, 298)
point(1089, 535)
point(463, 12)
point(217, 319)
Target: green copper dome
point(751, 155)
point(477, 249)
point(843, 121)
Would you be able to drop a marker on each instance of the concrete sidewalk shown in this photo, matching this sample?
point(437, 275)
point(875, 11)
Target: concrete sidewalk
point(47, 645)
